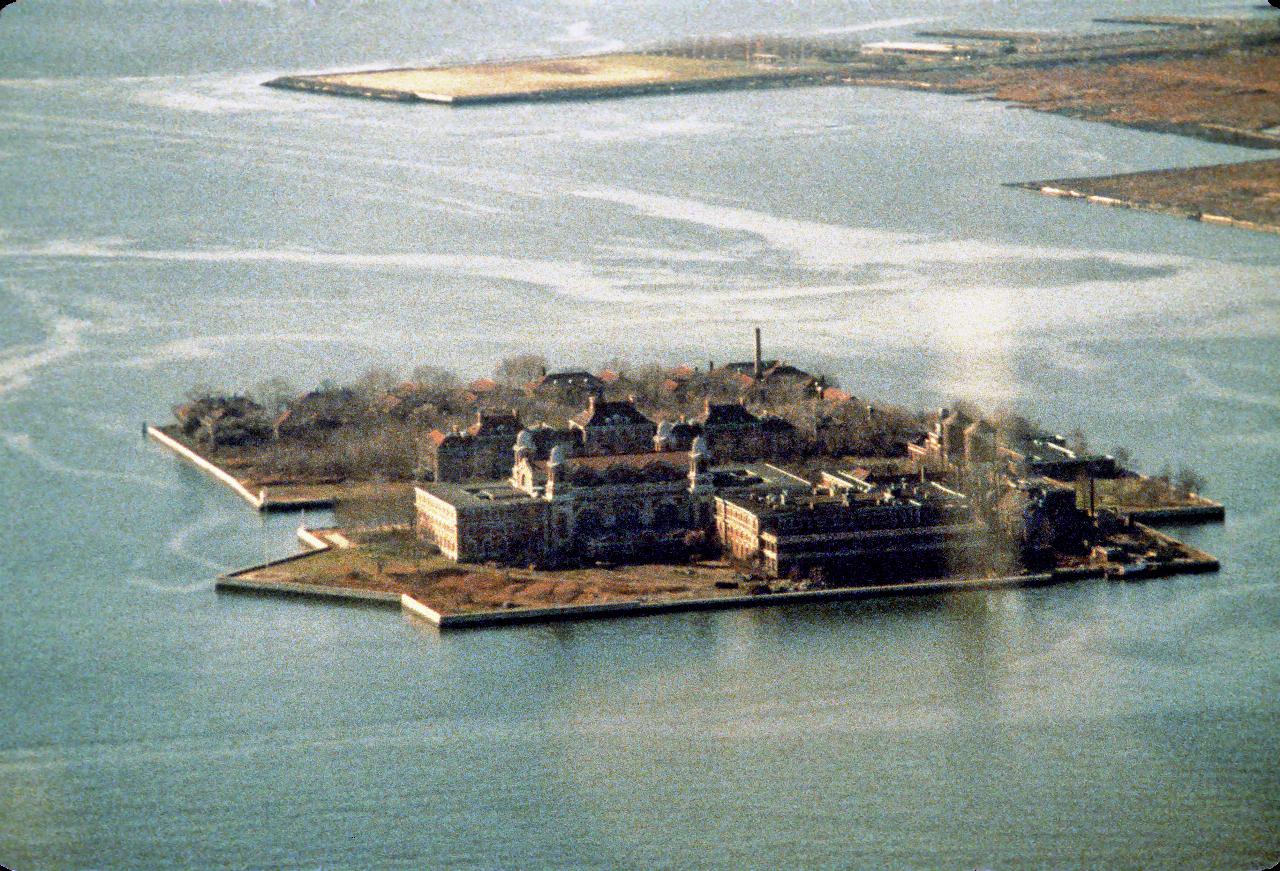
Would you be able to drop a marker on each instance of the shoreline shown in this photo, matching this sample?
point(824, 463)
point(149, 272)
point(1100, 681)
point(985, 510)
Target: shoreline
point(236, 582)
point(318, 85)
point(1201, 563)
point(261, 501)
point(1072, 190)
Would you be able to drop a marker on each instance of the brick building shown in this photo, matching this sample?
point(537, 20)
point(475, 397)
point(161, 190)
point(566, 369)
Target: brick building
point(854, 529)
point(482, 451)
point(566, 508)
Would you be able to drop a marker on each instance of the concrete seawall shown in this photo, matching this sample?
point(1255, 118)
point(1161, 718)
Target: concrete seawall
point(316, 84)
point(490, 619)
point(257, 500)
point(235, 582)
point(1174, 211)
point(1211, 512)
point(293, 588)
point(261, 501)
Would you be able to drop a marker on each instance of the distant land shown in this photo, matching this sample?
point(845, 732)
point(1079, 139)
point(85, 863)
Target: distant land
point(1211, 78)
point(1236, 194)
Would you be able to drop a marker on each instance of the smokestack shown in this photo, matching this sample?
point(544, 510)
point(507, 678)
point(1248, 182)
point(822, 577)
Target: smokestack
point(758, 368)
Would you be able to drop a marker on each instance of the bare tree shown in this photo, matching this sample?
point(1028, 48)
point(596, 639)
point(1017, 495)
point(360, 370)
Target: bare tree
point(1188, 482)
point(520, 369)
point(375, 382)
point(435, 376)
point(273, 394)
point(1078, 442)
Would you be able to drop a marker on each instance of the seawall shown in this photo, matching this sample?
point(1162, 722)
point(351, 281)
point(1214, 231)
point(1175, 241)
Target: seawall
point(1159, 208)
point(257, 500)
point(260, 501)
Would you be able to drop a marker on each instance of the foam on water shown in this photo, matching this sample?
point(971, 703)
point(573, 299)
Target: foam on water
point(24, 445)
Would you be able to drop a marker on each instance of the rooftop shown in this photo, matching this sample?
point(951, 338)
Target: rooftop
point(601, 413)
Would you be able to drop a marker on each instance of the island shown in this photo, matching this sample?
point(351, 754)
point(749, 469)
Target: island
point(548, 495)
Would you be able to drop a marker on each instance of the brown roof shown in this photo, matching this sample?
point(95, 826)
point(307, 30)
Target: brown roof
point(727, 414)
point(600, 413)
point(483, 385)
point(786, 371)
point(436, 437)
point(836, 395)
point(494, 423)
point(634, 461)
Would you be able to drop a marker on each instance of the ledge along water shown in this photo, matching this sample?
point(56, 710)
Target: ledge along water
point(235, 582)
point(261, 501)
point(763, 80)
point(1052, 190)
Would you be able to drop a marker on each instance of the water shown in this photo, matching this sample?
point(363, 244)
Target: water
point(165, 221)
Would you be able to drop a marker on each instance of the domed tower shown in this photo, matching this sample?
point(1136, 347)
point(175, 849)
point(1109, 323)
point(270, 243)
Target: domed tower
point(522, 467)
point(524, 446)
point(662, 439)
point(556, 473)
point(699, 479)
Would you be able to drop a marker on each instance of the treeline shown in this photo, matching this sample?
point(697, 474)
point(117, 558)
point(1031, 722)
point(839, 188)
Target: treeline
point(375, 428)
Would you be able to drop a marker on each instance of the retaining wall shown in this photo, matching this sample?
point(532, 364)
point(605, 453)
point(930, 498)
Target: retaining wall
point(255, 499)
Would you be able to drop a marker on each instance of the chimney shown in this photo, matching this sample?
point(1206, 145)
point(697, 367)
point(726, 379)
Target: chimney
point(757, 369)
point(711, 366)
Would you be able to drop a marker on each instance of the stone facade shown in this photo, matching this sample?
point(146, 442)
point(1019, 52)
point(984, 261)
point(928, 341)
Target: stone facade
point(482, 452)
point(734, 433)
point(855, 529)
point(563, 509)
point(612, 428)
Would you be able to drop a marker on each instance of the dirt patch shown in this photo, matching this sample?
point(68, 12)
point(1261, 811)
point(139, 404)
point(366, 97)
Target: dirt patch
point(1204, 96)
point(1248, 192)
point(393, 565)
point(508, 80)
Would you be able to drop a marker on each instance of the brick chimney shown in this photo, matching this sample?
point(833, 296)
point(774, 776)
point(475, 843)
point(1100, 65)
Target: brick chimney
point(758, 368)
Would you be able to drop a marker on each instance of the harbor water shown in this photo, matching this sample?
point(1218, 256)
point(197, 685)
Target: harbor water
point(165, 221)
